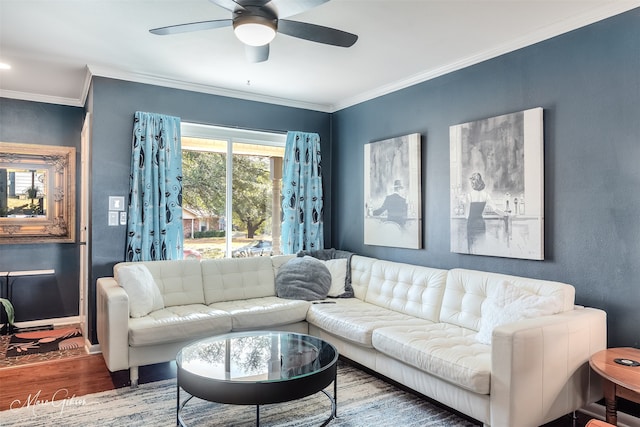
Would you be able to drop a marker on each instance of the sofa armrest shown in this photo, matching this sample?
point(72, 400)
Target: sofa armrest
point(540, 367)
point(113, 323)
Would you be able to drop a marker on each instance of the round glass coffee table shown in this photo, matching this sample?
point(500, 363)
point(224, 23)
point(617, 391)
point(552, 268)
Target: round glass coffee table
point(256, 368)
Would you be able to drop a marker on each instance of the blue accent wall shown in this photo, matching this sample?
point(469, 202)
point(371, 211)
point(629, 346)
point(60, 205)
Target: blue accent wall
point(44, 124)
point(588, 83)
point(113, 104)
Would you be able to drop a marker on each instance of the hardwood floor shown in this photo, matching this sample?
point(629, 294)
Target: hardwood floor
point(68, 377)
point(75, 376)
point(88, 374)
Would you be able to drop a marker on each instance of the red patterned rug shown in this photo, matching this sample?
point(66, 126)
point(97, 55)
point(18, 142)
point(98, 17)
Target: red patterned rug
point(35, 342)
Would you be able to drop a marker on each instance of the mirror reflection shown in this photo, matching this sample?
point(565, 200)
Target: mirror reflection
point(37, 193)
point(24, 193)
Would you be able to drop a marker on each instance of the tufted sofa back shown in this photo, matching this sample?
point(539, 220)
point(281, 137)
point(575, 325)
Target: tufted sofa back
point(361, 274)
point(405, 288)
point(452, 296)
point(180, 281)
point(231, 279)
point(466, 290)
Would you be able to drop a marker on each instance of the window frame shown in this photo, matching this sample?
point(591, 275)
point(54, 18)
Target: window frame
point(231, 136)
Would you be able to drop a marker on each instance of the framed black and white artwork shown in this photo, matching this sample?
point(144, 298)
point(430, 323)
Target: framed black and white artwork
point(392, 192)
point(497, 186)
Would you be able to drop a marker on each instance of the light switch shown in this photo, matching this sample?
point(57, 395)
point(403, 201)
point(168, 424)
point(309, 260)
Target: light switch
point(113, 217)
point(123, 218)
point(116, 203)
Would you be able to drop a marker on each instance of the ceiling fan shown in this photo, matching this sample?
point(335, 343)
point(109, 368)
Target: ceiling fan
point(256, 22)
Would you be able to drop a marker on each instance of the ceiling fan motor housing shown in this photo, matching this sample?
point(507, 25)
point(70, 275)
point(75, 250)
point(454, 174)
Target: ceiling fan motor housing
point(261, 20)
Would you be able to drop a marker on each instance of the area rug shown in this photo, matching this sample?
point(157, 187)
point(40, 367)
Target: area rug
point(9, 362)
point(363, 401)
point(25, 343)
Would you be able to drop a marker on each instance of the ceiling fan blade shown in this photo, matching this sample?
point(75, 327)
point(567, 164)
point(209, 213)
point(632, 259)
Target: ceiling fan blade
point(316, 33)
point(230, 5)
point(256, 53)
point(193, 26)
point(286, 8)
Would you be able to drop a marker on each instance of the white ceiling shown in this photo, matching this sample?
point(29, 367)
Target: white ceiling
point(55, 46)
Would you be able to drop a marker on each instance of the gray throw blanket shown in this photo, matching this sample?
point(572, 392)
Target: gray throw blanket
point(327, 254)
point(303, 278)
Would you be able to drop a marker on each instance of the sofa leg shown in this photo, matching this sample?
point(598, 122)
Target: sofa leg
point(133, 375)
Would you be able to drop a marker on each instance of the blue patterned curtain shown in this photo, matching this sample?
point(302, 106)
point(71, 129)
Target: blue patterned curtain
point(154, 231)
point(302, 203)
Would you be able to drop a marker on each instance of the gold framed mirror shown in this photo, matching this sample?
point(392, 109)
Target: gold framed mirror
point(37, 193)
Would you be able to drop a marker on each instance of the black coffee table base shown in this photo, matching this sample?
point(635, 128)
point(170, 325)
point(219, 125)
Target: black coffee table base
point(256, 368)
point(333, 399)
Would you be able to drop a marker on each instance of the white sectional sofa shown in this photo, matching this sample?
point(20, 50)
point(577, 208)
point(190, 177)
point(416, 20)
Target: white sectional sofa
point(419, 326)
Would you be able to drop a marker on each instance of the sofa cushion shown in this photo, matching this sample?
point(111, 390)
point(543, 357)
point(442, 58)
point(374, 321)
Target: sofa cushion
point(305, 278)
point(176, 323)
point(447, 351)
point(408, 289)
point(355, 320)
point(144, 295)
point(466, 290)
point(231, 279)
point(179, 281)
point(509, 303)
point(263, 313)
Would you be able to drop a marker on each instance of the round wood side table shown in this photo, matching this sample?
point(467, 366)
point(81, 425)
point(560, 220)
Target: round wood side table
point(620, 372)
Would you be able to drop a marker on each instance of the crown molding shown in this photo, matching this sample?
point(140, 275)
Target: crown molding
point(86, 85)
point(195, 87)
point(35, 97)
point(611, 9)
point(546, 33)
point(47, 99)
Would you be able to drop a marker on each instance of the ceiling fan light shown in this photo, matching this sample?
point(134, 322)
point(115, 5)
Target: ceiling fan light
point(255, 32)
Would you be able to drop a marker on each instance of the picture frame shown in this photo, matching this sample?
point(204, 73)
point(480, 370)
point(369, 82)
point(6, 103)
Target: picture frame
point(497, 186)
point(393, 192)
point(37, 193)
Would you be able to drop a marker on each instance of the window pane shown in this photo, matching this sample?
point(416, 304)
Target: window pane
point(203, 197)
point(257, 171)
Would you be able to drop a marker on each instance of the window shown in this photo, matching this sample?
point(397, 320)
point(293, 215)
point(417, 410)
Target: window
point(231, 187)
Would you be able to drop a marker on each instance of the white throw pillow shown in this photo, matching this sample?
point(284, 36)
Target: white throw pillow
point(144, 294)
point(511, 304)
point(338, 269)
